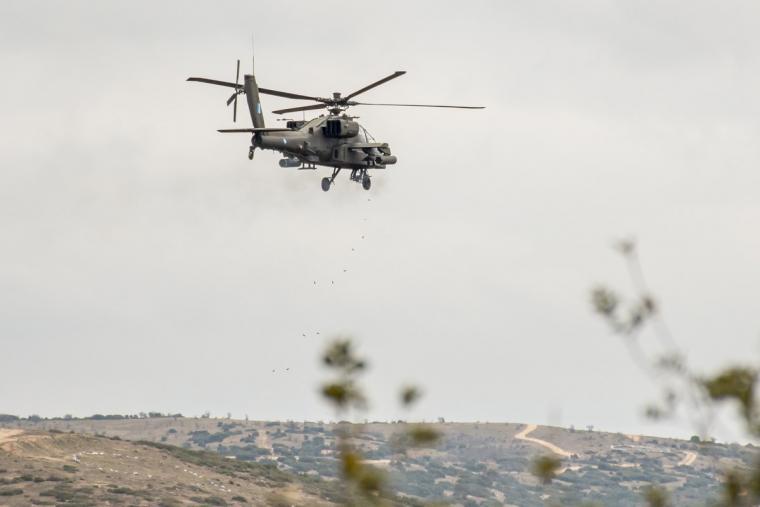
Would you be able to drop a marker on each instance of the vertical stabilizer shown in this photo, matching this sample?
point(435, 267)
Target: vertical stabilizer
point(254, 103)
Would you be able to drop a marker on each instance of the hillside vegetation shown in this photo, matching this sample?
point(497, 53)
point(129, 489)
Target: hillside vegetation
point(50, 468)
point(473, 464)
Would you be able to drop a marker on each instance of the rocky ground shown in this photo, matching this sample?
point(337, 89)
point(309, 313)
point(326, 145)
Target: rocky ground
point(50, 468)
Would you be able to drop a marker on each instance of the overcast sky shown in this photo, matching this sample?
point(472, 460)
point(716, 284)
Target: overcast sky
point(147, 264)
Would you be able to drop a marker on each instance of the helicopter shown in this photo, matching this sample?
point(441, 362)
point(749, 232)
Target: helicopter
point(334, 140)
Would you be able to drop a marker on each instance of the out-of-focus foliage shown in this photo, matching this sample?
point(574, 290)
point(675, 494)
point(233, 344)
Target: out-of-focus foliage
point(340, 355)
point(423, 435)
point(607, 304)
point(366, 484)
point(735, 384)
point(369, 480)
point(409, 395)
point(416, 435)
point(656, 497)
point(343, 392)
point(545, 468)
point(682, 387)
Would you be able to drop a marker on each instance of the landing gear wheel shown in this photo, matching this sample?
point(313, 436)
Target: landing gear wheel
point(326, 184)
point(250, 153)
point(366, 182)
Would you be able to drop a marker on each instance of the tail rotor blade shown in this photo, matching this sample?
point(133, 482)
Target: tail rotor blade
point(237, 80)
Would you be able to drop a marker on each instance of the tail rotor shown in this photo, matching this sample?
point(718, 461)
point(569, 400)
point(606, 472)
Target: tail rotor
point(237, 80)
point(238, 91)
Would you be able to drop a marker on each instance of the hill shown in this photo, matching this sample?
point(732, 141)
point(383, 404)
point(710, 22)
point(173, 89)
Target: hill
point(473, 464)
point(51, 468)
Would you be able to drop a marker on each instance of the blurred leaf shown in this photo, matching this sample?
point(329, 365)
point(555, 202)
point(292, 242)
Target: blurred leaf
point(337, 393)
point(648, 304)
point(371, 481)
point(340, 355)
point(754, 481)
point(409, 395)
point(732, 488)
point(654, 412)
point(734, 383)
point(673, 363)
point(671, 399)
point(352, 464)
point(625, 246)
point(635, 319)
point(604, 301)
point(423, 435)
point(655, 496)
point(368, 479)
point(545, 468)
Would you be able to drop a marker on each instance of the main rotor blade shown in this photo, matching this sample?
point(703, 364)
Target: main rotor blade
point(287, 95)
point(377, 83)
point(302, 108)
point(215, 82)
point(415, 105)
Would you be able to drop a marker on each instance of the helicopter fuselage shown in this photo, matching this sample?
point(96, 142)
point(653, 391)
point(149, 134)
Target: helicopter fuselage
point(333, 141)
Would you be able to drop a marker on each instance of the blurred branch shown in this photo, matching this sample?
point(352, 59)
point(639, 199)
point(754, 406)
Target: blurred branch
point(678, 382)
point(345, 394)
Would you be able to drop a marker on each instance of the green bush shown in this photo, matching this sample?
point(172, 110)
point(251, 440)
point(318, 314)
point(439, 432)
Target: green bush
point(64, 493)
point(203, 438)
point(209, 500)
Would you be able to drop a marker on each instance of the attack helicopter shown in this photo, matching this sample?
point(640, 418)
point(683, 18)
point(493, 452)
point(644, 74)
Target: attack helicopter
point(334, 140)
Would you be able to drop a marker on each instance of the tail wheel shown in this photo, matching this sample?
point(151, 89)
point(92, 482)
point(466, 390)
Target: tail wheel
point(326, 184)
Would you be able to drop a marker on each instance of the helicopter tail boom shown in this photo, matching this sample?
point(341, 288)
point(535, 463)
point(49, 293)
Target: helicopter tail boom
point(254, 102)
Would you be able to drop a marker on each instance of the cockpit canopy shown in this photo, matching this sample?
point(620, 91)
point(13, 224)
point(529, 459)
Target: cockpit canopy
point(295, 124)
point(340, 127)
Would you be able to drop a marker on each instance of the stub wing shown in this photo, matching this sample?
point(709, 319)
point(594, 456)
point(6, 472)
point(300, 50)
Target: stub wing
point(365, 146)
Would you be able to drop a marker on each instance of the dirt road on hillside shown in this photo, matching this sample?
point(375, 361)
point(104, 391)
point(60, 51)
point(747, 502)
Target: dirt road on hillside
point(688, 460)
point(523, 435)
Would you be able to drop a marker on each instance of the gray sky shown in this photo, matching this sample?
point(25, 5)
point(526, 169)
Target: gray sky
point(146, 264)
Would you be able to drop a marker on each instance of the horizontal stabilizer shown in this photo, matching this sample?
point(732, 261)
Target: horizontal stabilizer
point(254, 130)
